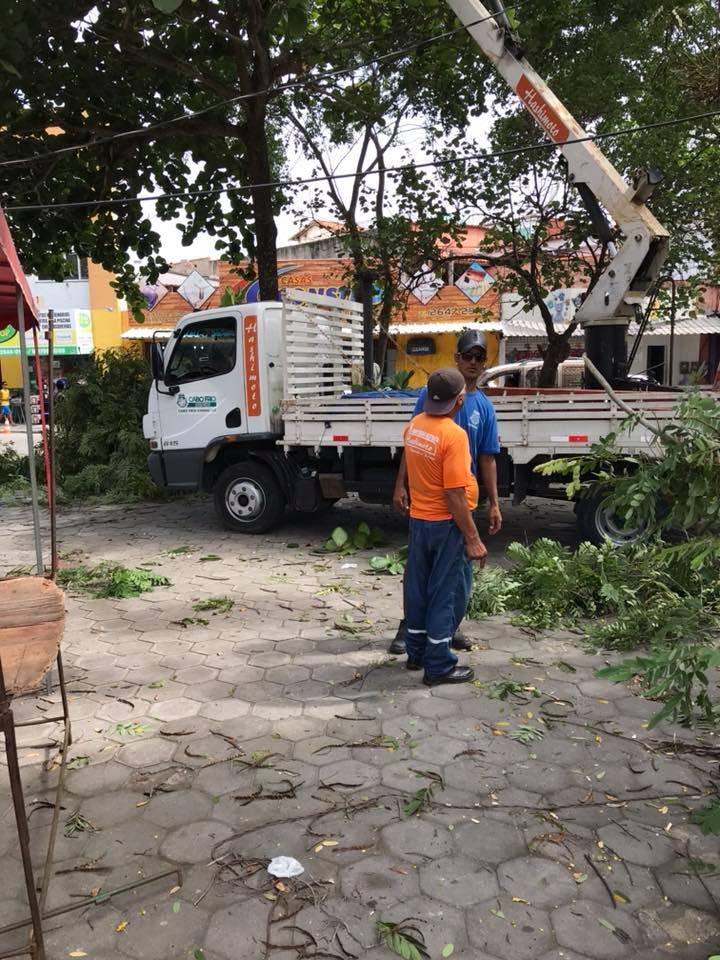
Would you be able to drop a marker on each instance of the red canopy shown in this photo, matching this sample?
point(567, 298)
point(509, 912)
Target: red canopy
point(12, 277)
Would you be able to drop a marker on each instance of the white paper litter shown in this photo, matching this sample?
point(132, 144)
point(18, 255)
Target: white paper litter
point(285, 867)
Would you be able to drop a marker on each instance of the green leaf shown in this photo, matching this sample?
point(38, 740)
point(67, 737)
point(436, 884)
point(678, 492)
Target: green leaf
point(176, 907)
point(77, 763)
point(339, 537)
point(198, 955)
point(167, 6)
point(9, 67)
point(448, 950)
point(708, 819)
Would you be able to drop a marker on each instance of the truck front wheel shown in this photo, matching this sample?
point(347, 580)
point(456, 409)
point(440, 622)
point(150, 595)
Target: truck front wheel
point(598, 522)
point(248, 498)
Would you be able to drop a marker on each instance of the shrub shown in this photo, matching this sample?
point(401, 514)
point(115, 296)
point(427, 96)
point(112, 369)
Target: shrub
point(99, 448)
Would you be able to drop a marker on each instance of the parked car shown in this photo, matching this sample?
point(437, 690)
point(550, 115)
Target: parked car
point(526, 373)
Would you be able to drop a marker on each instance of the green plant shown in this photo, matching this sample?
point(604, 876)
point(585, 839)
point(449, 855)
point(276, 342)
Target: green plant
point(340, 541)
point(15, 474)
point(708, 819)
point(675, 674)
point(526, 733)
point(403, 939)
point(109, 579)
point(399, 380)
point(76, 823)
point(100, 449)
point(673, 487)
point(646, 593)
point(502, 689)
point(392, 563)
point(214, 604)
point(421, 798)
point(493, 592)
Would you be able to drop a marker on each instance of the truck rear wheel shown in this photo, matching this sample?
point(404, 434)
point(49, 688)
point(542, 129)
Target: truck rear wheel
point(248, 498)
point(598, 522)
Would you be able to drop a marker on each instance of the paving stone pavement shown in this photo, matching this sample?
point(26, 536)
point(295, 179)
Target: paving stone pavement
point(269, 731)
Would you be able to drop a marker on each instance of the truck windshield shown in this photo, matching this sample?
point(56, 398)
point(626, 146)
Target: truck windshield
point(204, 349)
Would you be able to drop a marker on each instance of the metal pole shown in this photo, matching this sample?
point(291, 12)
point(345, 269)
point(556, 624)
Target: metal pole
point(673, 309)
point(7, 724)
point(28, 427)
point(51, 399)
point(43, 424)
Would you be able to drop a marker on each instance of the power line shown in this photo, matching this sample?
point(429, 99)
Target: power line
point(273, 184)
point(281, 88)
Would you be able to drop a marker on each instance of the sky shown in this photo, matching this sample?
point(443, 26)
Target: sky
point(297, 167)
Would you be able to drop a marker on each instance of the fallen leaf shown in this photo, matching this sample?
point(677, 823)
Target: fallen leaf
point(668, 828)
point(270, 896)
point(121, 926)
point(330, 843)
point(498, 913)
point(519, 900)
point(448, 950)
point(620, 897)
point(176, 907)
point(174, 890)
point(665, 810)
point(579, 877)
point(77, 953)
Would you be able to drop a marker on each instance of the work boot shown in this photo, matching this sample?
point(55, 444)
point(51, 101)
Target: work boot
point(397, 647)
point(461, 642)
point(413, 664)
point(456, 675)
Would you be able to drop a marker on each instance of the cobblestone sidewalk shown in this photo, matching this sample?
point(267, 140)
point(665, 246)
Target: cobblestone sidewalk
point(281, 728)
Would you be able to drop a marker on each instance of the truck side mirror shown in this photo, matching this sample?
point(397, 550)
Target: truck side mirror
point(157, 364)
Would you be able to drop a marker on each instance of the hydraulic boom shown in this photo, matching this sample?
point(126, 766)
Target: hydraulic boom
point(634, 266)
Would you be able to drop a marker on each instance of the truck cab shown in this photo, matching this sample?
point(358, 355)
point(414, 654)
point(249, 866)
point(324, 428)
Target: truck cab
point(217, 388)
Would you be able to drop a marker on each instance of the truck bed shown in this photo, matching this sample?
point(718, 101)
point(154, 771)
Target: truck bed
point(530, 421)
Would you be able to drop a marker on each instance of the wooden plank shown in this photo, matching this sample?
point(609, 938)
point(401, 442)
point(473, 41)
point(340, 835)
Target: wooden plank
point(32, 620)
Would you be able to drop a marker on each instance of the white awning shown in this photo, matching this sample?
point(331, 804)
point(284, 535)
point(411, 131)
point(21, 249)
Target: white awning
point(437, 326)
point(147, 333)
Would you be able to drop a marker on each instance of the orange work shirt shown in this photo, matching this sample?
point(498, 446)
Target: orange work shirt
point(437, 454)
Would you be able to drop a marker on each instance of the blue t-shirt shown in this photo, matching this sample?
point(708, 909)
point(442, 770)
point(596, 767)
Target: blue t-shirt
point(477, 418)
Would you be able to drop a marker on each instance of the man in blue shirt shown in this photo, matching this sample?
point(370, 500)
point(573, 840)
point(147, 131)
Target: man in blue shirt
point(477, 417)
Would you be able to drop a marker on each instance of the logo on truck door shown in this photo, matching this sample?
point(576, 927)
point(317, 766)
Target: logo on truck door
point(252, 369)
point(195, 404)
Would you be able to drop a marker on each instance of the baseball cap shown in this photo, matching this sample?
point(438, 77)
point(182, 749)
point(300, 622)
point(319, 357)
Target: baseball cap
point(470, 339)
point(443, 388)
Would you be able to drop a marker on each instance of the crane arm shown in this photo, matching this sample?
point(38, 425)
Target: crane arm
point(636, 264)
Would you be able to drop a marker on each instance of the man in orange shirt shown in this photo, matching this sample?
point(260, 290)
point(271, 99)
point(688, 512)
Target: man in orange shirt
point(443, 537)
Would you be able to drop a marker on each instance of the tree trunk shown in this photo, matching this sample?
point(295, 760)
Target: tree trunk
point(557, 350)
point(384, 318)
point(259, 169)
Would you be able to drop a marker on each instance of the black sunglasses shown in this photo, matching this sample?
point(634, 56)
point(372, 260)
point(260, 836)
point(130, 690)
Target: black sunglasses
point(469, 356)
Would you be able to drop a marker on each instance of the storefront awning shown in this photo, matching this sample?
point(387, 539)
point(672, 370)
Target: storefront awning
point(438, 326)
point(13, 279)
point(146, 334)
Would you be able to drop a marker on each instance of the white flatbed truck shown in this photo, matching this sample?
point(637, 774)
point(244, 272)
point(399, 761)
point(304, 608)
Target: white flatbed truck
point(254, 404)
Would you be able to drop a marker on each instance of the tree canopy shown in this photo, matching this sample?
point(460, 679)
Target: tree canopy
point(93, 72)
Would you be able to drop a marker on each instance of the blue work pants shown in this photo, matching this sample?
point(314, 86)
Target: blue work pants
point(438, 580)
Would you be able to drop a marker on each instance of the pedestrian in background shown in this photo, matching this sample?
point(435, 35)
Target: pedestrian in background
point(5, 408)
